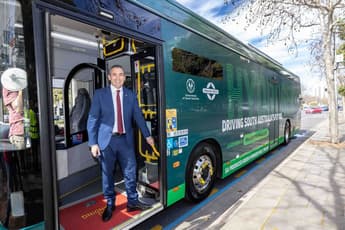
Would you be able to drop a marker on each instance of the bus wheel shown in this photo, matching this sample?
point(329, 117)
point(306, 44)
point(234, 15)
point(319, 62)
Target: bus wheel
point(287, 133)
point(201, 173)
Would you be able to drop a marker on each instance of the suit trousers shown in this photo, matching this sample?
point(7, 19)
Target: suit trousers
point(119, 150)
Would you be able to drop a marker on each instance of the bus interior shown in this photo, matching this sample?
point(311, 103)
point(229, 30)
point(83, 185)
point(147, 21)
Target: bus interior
point(80, 55)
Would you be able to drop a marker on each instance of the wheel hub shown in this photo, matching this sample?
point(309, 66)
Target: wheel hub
point(202, 173)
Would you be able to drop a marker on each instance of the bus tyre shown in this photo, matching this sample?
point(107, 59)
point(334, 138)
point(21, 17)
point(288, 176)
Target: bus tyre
point(200, 173)
point(287, 133)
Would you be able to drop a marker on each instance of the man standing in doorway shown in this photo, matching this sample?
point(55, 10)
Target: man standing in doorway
point(111, 137)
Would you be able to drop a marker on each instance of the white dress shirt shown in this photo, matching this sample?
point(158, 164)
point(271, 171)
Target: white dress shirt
point(113, 94)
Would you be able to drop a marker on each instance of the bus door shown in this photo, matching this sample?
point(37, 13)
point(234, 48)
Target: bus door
point(144, 75)
point(274, 110)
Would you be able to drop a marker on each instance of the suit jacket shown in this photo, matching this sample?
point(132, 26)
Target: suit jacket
point(101, 117)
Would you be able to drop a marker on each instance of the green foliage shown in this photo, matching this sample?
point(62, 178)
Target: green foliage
point(342, 31)
point(341, 90)
point(341, 49)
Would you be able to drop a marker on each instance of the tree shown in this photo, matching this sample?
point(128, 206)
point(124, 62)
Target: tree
point(285, 18)
point(341, 50)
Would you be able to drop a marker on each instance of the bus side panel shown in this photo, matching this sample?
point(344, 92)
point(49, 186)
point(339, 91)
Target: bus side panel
point(239, 111)
point(228, 115)
point(248, 109)
point(196, 104)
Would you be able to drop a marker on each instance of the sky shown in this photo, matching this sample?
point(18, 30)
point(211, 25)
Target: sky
point(215, 10)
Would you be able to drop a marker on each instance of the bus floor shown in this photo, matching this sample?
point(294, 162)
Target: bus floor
point(89, 189)
point(84, 211)
point(94, 187)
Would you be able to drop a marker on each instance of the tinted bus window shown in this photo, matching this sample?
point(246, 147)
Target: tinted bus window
point(189, 63)
point(20, 183)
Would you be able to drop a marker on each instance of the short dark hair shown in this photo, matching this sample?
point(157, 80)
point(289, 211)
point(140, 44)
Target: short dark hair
point(116, 66)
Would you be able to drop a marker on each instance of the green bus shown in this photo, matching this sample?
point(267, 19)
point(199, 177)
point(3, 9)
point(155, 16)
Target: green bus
point(212, 103)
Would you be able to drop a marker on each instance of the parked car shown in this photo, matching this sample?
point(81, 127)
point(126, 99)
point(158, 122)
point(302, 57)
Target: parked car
point(324, 107)
point(313, 109)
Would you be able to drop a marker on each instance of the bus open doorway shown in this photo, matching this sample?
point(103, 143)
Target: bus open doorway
point(81, 202)
point(141, 77)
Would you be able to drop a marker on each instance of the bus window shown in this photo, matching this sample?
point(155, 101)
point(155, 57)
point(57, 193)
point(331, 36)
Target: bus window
point(19, 134)
point(79, 103)
point(13, 79)
point(193, 64)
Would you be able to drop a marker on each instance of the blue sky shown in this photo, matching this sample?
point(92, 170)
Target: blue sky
point(215, 10)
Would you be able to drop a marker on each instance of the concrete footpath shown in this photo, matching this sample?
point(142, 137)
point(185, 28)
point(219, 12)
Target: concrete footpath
point(306, 191)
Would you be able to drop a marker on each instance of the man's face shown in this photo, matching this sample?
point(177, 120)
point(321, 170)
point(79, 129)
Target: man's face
point(117, 77)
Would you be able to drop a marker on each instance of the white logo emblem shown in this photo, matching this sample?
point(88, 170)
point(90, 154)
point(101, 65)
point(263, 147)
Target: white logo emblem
point(190, 85)
point(210, 91)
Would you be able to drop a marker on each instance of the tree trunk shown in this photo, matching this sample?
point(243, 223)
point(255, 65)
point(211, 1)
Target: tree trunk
point(333, 110)
point(328, 56)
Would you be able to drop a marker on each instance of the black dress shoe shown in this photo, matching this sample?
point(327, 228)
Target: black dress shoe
point(108, 213)
point(137, 206)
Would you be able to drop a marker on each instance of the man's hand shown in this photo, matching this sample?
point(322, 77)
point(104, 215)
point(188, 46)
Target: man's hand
point(95, 151)
point(150, 140)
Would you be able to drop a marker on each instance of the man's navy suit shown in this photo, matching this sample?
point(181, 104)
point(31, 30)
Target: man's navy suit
point(115, 148)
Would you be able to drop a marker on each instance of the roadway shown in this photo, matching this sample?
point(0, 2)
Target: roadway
point(186, 215)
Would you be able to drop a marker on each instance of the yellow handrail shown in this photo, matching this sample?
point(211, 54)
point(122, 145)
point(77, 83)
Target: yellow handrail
point(148, 156)
point(155, 150)
point(148, 113)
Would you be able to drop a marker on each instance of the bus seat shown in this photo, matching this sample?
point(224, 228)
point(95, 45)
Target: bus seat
point(80, 111)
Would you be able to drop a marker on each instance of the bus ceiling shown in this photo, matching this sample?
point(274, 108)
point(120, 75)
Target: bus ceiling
point(85, 38)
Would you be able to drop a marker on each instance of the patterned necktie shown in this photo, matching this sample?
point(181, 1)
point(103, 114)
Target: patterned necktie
point(119, 113)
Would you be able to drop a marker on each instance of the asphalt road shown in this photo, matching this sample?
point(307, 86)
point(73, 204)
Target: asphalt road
point(186, 215)
point(310, 121)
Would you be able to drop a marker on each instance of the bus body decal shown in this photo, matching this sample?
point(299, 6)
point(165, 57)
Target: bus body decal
point(253, 137)
point(231, 166)
point(243, 160)
point(175, 194)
